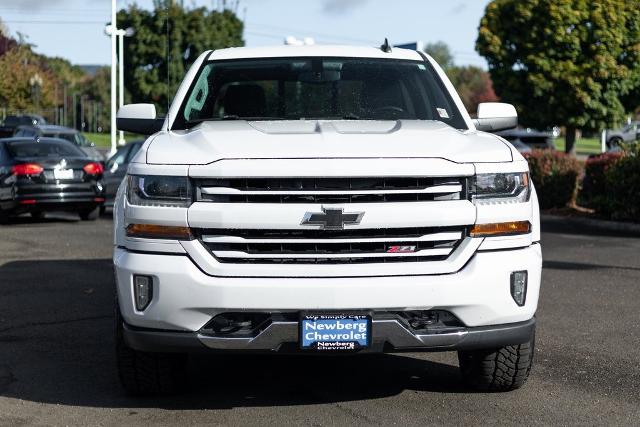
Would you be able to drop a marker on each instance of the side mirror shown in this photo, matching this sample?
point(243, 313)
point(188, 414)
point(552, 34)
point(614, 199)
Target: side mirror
point(138, 118)
point(495, 116)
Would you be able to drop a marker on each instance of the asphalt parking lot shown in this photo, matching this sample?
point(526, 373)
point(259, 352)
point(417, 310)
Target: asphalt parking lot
point(57, 361)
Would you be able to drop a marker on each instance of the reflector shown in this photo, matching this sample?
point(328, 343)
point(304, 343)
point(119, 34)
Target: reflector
point(500, 229)
point(153, 231)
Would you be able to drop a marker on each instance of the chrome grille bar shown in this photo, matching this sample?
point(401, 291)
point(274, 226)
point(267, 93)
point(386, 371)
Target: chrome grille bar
point(435, 237)
point(438, 189)
point(422, 253)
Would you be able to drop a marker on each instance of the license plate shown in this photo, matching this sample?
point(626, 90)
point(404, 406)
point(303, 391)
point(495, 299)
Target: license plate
point(63, 173)
point(335, 332)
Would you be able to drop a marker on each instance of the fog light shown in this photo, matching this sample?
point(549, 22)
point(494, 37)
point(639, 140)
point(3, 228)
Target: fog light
point(519, 287)
point(142, 291)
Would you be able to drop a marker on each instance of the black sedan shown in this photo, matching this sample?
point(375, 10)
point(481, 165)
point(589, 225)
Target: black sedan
point(48, 174)
point(61, 132)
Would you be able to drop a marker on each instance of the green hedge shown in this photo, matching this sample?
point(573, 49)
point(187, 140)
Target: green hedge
point(620, 197)
point(555, 176)
point(594, 193)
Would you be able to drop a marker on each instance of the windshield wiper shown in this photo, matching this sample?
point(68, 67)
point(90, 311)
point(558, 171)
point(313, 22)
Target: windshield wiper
point(351, 116)
point(195, 122)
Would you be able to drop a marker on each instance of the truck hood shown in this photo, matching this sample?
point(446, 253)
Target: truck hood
point(212, 141)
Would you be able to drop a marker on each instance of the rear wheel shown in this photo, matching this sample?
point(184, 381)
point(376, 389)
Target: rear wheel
point(614, 142)
point(103, 209)
point(89, 214)
point(37, 215)
point(143, 373)
point(503, 369)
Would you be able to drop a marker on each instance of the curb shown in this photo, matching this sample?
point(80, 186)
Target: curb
point(594, 224)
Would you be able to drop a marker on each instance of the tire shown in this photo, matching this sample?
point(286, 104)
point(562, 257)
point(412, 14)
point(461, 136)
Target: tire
point(144, 374)
point(502, 369)
point(614, 142)
point(37, 215)
point(89, 214)
point(103, 209)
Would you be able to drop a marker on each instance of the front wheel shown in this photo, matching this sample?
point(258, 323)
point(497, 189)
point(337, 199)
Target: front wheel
point(503, 369)
point(143, 373)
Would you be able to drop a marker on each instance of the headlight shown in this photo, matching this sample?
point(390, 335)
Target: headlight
point(157, 190)
point(500, 188)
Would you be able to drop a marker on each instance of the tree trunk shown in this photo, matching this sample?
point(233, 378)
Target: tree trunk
point(570, 140)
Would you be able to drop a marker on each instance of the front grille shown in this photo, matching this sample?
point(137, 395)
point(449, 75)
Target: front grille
point(330, 190)
point(332, 246)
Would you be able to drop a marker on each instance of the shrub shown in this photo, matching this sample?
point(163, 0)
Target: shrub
point(555, 176)
point(623, 186)
point(594, 193)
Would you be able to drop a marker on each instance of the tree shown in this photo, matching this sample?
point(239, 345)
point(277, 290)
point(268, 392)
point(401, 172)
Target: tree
point(98, 88)
point(167, 41)
point(6, 41)
point(441, 53)
point(17, 67)
point(566, 62)
point(473, 85)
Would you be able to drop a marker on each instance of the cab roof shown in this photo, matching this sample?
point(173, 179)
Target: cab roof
point(285, 51)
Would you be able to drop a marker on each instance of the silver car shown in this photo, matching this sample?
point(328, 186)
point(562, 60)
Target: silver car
point(628, 133)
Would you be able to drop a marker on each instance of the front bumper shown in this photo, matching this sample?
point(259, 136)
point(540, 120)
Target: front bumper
point(387, 336)
point(185, 298)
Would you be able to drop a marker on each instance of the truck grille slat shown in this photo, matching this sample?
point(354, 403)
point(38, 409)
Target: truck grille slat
point(329, 190)
point(332, 246)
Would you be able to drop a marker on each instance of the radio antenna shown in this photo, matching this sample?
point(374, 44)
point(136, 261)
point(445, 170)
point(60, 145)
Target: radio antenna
point(168, 52)
point(385, 46)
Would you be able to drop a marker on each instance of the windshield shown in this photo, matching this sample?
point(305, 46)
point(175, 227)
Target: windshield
point(43, 149)
point(66, 136)
point(318, 88)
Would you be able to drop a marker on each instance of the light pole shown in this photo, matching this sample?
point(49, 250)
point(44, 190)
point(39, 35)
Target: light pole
point(113, 77)
point(121, 34)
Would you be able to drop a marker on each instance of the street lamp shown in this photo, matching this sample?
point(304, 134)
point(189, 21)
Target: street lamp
point(121, 34)
point(36, 84)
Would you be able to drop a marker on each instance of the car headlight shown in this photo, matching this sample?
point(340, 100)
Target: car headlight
point(500, 188)
point(157, 190)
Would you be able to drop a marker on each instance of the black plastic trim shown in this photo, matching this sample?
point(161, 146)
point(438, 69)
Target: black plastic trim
point(480, 337)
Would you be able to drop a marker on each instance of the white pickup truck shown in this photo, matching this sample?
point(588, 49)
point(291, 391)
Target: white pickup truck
point(324, 199)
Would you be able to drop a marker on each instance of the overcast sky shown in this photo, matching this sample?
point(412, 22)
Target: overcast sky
point(73, 29)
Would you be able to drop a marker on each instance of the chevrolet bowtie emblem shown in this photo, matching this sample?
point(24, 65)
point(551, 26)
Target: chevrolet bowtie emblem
point(332, 218)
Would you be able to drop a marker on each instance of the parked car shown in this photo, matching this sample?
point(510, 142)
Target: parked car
point(318, 199)
point(116, 169)
point(11, 122)
point(37, 176)
point(628, 133)
point(520, 146)
point(69, 134)
point(533, 139)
